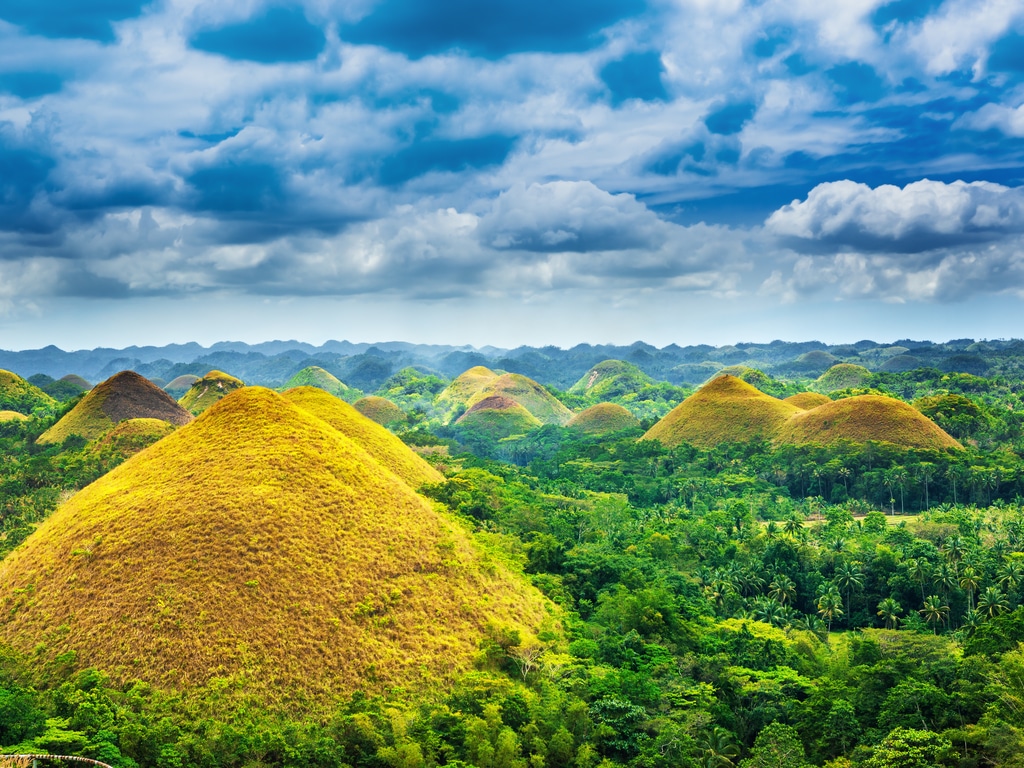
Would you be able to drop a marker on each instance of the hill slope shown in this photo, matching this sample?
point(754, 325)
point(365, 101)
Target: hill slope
point(208, 390)
point(259, 544)
point(603, 419)
point(315, 376)
point(372, 437)
point(497, 417)
point(863, 418)
point(544, 406)
point(807, 400)
point(611, 378)
point(725, 409)
point(842, 376)
point(379, 409)
point(125, 395)
point(16, 394)
point(455, 397)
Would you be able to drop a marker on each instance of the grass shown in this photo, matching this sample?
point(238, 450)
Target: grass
point(498, 417)
point(465, 385)
point(863, 418)
point(208, 390)
point(131, 436)
point(842, 376)
point(725, 409)
point(603, 419)
point(807, 400)
point(260, 543)
point(541, 404)
point(611, 378)
point(315, 376)
point(12, 416)
point(371, 436)
point(379, 409)
point(16, 394)
point(125, 395)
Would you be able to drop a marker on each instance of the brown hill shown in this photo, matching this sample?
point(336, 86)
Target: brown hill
point(123, 396)
point(260, 546)
point(863, 418)
point(725, 409)
point(603, 419)
point(497, 417)
point(807, 400)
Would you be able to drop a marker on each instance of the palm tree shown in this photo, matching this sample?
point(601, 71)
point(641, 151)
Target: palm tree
point(890, 612)
point(946, 578)
point(848, 577)
point(992, 602)
point(953, 472)
point(954, 549)
point(972, 621)
point(718, 748)
point(1011, 574)
point(769, 611)
point(792, 525)
point(969, 582)
point(934, 611)
point(926, 473)
point(899, 478)
point(782, 589)
point(830, 605)
point(919, 569)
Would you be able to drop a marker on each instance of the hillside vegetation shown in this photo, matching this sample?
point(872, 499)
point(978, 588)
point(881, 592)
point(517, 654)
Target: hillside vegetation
point(603, 419)
point(208, 390)
point(315, 376)
point(16, 394)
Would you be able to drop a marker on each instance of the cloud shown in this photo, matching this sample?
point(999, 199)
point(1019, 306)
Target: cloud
point(278, 35)
point(70, 18)
point(635, 76)
point(921, 216)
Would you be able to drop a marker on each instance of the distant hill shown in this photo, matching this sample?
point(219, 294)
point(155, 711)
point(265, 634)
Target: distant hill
point(725, 409)
point(863, 418)
point(611, 378)
point(497, 417)
point(603, 419)
point(379, 409)
point(62, 389)
point(315, 376)
point(807, 400)
point(179, 385)
point(211, 388)
point(456, 396)
point(126, 395)
point(16, 394)
point(259, 546)
point(842, 376)
point(541, 404)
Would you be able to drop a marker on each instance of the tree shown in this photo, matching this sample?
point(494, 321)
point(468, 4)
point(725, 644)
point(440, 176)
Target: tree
point(782, 589)
point(718, 748)
point(849, 577)
point(969, 582)
point(777, 746)
point(934, 612)
point(910, 748)
point(992, 602)
point(890, 612)
point(830, 605)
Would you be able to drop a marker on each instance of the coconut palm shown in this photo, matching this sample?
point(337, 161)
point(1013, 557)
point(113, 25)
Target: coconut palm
point(1011, 574)
point(782, 589)
point(830, 605)
point(718, 748)
point(934, 611)
point(992, 602)
point(969, 582)
point(890, 612)
point(849, 577)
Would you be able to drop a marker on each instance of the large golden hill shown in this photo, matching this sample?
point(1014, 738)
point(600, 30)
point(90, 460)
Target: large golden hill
point(863, 418)
point(123, 396)
point(259, 545)
point(724, 410)
point(371, 436)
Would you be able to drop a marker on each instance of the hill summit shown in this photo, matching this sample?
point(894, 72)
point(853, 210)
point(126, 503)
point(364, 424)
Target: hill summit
point(123, 396)
point(17, 394)
point(261, 546)
point(208, 390)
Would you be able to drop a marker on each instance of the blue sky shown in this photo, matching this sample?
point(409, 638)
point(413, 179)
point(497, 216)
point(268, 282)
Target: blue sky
point(518, 171)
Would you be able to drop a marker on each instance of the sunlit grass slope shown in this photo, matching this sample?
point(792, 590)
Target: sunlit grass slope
point(259, 544)
point(725, 409)
point(125, 395)
point(863, 418)
point(208, 390)
point(315, 376)
point(379, 409)
point(16, 394)
point(454, 398)
point(498, 417)
point(131, 436)
point(611, 378)
point(372, 437)
point(842, 376)
point(603, 419)
point(12, 416)
point(544, 406)
point(807, 400)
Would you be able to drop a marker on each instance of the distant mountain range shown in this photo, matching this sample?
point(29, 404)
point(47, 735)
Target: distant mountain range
point(365, 366)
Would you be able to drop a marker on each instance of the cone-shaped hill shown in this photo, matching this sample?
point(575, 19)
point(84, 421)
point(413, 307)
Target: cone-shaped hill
point(16, 394)
point(208, 390)
point(455, 397)
point(863, 418)
point(371, 436)
point(842, 376)
point(724, 410)
point(315, 376)
point(179, 385)
point(123, 396)
point(603, 419)
point(612, 378)
point(544, 406)
point(497, 417)
point(259, 544)
point(807, 400)
point(379, 409)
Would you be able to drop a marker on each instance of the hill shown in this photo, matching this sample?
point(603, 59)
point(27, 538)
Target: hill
point(611, 378)
point(315, 376)
point(62, 389)
point(371, 436)
point(179, 385)
point(131, 436)
point(260, 547)
point(12, 416)
point(603, 419)
point(455, 397)
point(842, 376)
point(123, 396)
point(725, 409)
point(208, 390)
point(863, 418)
point(16, 394)
point(807, 400)
point(541, 404)
point(497, 417)
point(379, 409)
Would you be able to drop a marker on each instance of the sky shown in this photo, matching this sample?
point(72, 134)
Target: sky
point(510, 172)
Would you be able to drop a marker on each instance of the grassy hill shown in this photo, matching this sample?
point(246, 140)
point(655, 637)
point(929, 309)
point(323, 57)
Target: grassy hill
point(208, 390)
point(371, 436)
point(379, 409)
point(603, 419)
point(131, 436)
point(16, 394)
point(261, 547)
point(842, 376)
point(315, 376)
point(807, 400)
point(611, 378)
point(725, 409)
point(12, 416)
point(454, 398)
point(497, 417)
point(179, 385)
point(544, 406)
point(123, 396)
point(863, 418)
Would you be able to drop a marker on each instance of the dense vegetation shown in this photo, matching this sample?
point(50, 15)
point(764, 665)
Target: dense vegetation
point(748, 604)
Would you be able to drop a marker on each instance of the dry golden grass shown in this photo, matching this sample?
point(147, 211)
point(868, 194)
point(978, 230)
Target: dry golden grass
point(807, 400)
point(842, 376)
point(465, 385)
point(12, 416)
point(725, 409)
point(125, 395)
point(259, 543)
point(208, 390)
point(371, 436)
point(863, 418)
point(379, 409)
point(544, 406)
point(131, 436)
point(603, 419)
